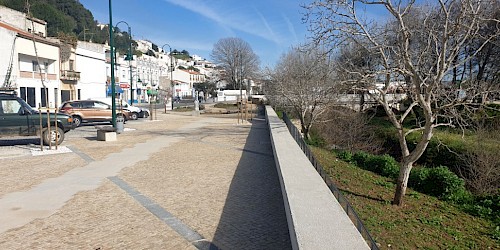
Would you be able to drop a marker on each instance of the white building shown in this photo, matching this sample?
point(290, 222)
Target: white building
point(91, 65)
point(22, 21)
point(184, 81)
point(7, 46)
point(35, 73)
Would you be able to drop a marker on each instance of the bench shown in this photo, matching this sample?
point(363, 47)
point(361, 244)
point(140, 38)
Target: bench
point(106, 133)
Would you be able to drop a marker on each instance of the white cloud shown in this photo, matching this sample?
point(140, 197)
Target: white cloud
point(291, 28)
point(236, 19)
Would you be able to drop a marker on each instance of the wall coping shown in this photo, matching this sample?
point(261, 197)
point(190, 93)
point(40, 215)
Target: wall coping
point(315, 218)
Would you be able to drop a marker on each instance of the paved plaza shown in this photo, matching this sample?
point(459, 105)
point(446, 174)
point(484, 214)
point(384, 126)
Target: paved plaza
point(177, 182)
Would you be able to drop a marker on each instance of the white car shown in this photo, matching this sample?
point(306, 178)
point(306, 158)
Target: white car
point(135, 112)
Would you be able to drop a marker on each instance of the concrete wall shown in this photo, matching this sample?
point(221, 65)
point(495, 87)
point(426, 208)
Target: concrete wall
point(315, 218)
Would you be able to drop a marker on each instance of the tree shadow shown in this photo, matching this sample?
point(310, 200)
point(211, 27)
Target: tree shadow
point(345, 191)
point(253, 216)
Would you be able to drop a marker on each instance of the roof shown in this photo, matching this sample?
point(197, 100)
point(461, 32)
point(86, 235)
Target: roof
point(27, 35)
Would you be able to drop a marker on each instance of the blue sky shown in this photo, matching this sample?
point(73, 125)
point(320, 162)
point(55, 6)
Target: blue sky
point(271, 27)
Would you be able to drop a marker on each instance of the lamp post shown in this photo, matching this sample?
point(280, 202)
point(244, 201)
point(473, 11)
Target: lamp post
point(171, 73)
point(112, 55)
point(129, 58)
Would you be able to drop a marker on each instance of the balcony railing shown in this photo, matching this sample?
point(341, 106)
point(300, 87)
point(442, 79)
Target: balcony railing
point(70, 75)
point(36, 75)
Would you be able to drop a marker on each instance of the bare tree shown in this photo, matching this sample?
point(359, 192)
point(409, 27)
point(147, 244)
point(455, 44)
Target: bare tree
point(302, 80)
point(349, 130)
point(418, 46)
point(237, 59)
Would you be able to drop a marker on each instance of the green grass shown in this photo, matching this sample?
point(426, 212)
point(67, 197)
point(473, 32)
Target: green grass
point(228, 106)
point(423, 222)
point(183, 109)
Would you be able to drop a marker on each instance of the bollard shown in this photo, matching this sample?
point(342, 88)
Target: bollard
point(120, 121)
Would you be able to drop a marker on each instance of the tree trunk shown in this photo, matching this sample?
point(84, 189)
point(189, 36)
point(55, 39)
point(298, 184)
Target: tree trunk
point(402, 183)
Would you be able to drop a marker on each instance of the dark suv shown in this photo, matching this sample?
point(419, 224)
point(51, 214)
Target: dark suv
point(90, 111)
point(17, 118)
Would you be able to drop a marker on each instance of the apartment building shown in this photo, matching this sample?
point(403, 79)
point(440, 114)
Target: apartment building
point(34, 65)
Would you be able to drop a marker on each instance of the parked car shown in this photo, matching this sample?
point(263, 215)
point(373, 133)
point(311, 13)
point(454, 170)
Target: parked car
point(135, 112)
point(17, 118)
point(91, 111)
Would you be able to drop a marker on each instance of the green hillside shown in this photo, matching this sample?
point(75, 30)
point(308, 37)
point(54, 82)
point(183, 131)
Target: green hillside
point(68, 17)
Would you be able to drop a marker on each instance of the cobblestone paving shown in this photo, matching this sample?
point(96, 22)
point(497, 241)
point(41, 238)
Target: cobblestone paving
point(218, 179)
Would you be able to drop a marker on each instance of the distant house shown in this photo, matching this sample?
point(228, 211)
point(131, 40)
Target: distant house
point(184, 81)
point(231, 95)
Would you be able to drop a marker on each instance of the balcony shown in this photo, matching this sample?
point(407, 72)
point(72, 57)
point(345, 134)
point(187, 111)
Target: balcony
point(70, 75)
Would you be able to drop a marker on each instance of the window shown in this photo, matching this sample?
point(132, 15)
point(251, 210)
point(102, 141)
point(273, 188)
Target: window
point(10, 107)
point(22, 93)
point(43, 96)
point(101, 105)
point(87, 105)
point(71, 65)
point(35, 66)
point(46, 65)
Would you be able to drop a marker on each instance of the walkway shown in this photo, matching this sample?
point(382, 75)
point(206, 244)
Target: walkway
point(180, 182)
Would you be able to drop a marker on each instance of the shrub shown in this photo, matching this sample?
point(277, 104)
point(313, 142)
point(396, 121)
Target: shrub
point(345, 156)
point(418, 178)
point(439, 182)
point(384, 165)
point(359, 158)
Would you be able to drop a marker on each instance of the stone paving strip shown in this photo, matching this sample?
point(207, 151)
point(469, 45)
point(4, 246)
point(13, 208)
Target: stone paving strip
point(182, 229)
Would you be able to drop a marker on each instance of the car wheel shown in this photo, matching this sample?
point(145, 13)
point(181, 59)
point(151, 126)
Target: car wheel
point(77, 121)
point(55, 135)
point(146, 114)
point(134, 116)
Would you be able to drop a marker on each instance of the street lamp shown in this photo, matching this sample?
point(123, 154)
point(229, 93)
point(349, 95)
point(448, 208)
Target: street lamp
point(112, 55)
point(129, 58)
point(171, 73)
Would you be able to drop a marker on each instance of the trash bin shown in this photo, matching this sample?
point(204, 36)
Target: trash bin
point(119, 124)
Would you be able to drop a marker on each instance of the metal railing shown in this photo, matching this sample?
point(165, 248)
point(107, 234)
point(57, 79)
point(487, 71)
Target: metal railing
point(326, 178)
point(70, 75)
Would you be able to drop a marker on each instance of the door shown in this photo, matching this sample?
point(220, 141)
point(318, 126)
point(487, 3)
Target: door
point(14, 119)
point(65, 95)
point(103, 110)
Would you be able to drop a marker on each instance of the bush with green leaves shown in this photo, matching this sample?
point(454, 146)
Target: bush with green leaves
point(439, 182)
point(384, 165)
point(344, 155)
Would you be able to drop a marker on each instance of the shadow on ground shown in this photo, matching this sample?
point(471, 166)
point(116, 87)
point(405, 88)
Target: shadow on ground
point(253, 216)
point(20, 141)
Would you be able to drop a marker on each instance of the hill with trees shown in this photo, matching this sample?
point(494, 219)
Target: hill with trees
point(69, 18)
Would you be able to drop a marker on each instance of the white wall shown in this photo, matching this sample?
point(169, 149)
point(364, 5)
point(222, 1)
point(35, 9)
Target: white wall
point(91, 63)
point(46, 53)
point(6, 45)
